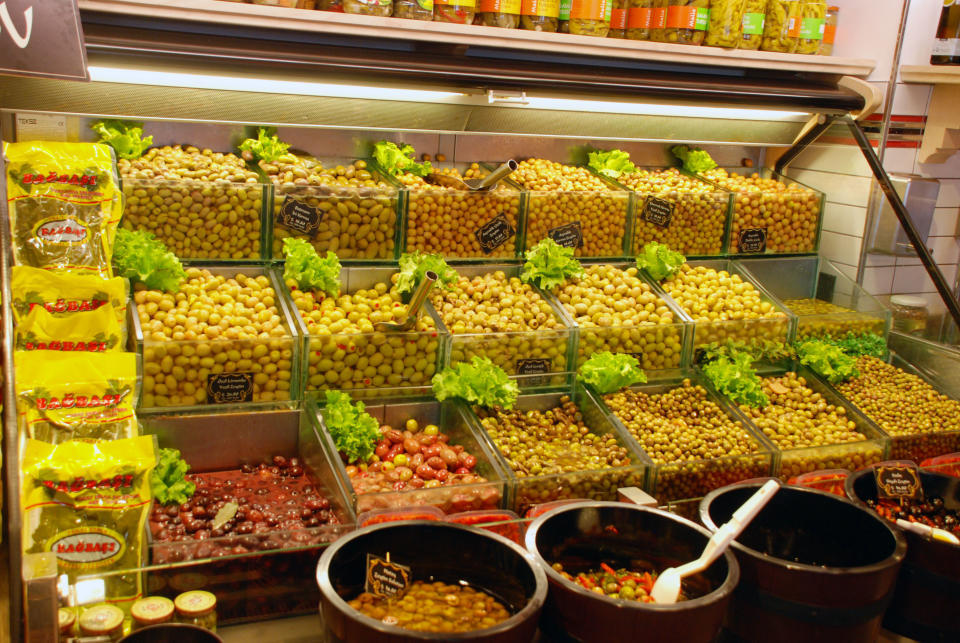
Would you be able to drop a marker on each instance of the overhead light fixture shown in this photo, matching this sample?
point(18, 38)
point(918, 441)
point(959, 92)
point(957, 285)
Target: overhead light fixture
point(658, 109)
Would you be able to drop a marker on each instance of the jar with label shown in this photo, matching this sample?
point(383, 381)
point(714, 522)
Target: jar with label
point(687, 21)
point(330, 5)
point(151, 610)
point(618, 19)
point(658, 20)
point(726, 23)
point(66, 619)
point(591, 17)
point(540, 15)
point(102, 620)
point(564, 16)
point(460, 12)
point(413, 9)
point(638, 19)
point(779, 31)
point(810, 26)
point(829, 32)
point(910, 314)
point(197, 607)
point(500, 13)
point(754, 12)
point(368, 7)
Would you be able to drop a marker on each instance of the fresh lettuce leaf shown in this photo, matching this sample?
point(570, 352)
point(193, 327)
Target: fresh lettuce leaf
point(308, 269)
point(856, 345)
point(125, 137)
point(266, 147)
point(659, 261)
point(694, 159)
point(143, 258)
point(354, 431)
point(607, 372)
point(414, 264)
point(549, 264)
point(479, 382)
point(760, 349)
point(734, 377)
point(399, 160)
point(827, 360)
point(612, 163)
point(168, 482)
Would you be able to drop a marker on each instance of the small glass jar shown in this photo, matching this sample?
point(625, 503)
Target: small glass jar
point(540, 15)
point(658, 20)
point(687, 21)
point(910, 314)
point(66, 619)
point(151, 610)
point(500, 13)
point(754, 14)
point(591, 18)
point(383, 8)
point(330, 5)
point(564, 16)
point(810, 25)
point(779, 28)
point(638, 19)
point(726, 23)
point(618, 19)
point(197, 607)
point(460, 12)
point(413, 9)
point(829, 31)
point(102, 620)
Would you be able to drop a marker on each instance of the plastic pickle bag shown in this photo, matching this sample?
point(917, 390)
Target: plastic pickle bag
point(65, 203)
point(76, 396)
point(66, 293)
point(94, 331)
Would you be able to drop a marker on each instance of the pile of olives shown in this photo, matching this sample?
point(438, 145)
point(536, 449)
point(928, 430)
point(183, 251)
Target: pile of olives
point(818, 318)
point(212, 326)
point(691, 438)
point(201, 204)
point(559, 442)
point(358, 208)
point(699, 211)
point(344, 351)
point(563, 194)
point(811, 432)
point(505, 320)
point(921, 422)
point(617, 311)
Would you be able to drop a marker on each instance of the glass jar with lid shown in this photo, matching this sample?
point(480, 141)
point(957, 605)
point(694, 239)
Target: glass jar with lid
point(725, 27)
point(413, 9)
point(910, 314)
point(197, 607)
point(151, 610)
point(369, 7)
point(754, 17)
point(687, 21)
point(829, 31)
point(809, 26)
point(638, 19)
point(66, 619)
point(500, 13)
point(102, 620)
point(460, 12)
point(591, 17)
point(540, 15)
point(658, 20)
point(618, 19)
point(779, 31)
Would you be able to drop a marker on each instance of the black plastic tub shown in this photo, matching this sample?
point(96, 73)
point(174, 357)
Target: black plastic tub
point(926, 603)
point(588, 533)
point(814, 566)
point(172, 633)
point(434, 551)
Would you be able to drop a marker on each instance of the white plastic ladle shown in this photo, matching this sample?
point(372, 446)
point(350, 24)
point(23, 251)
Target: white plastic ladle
point(667, 587)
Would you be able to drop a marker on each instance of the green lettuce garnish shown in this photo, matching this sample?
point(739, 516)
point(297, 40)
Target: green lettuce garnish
point(607, 372)
point(734, 377)
point(308, 269)
point(760, 350)
point(827, 361)
point(612, 163)
point(414, 264)
point(659, 261)
point(399, 160)
point(125, 137)
point(143, 258)
point(354, 431)
point(549, 264)
point(266, 147)
point(168, 483)
point(479, 382)
point(694, 159)
point(856, 345)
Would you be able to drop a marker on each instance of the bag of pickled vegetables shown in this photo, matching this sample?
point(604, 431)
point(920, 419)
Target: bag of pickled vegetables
point(88, 504)
point(65, 203)
point(76, 396)
point(94, 331)
point(63, 294)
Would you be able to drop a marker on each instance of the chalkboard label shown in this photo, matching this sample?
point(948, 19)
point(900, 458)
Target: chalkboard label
point(752, 240)
point(569, 235)
point(826, 284)
point(385, 578)
point(298, 216)
point(532, 366)
point(224, 388)
point(898, 481)
point(659, 212)
point(494, 233)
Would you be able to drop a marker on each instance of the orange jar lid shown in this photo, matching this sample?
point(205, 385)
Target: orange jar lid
point(152, 610)
point(195, 603)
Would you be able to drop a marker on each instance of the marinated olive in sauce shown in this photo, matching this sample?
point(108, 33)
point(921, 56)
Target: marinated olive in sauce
point(434, 607)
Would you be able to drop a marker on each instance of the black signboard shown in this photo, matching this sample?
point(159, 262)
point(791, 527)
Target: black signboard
point(752, 240)
point(659, 212)
point(494, 233)
point(898, 481)
point(42, 38)
point(569, 235)
point(300, 217)
point(385, 578)
point(532, 366)
point(224, 388)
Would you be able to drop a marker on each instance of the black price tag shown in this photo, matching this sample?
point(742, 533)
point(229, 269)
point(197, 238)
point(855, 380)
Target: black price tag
point(532, 366)
point(659, 212)
point(898, 481)
point(826, 284)
point(752, 240)
point(494, 233)
point(298, 216)
point(224, 388)
point(385, 578)
point(569, 235)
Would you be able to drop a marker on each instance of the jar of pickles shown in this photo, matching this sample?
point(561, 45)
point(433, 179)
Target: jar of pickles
point(779, 30)
point(809, 26)
point(754, 13)
point(459, 12)
point(564, 16)
point(368, 7)
point(687, 21)
point(66, 619)
point(638, 19)
point(618, 19)
point(102, 621)
point(726, 23)
point(197, 607)
point(330, 5)
point(829, 31)
point(910, 314)
point(591, 17)
point(413, 9)
point(658, 20)
point(540, 15)
point(500, 13)
point(151, 610)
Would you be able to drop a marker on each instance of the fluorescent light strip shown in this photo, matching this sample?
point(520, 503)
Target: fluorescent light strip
point(652, 109)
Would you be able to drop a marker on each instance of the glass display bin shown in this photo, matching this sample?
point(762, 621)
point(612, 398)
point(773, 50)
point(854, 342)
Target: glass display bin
point(652, 414)
point(772, 214)
point(336, 358)
point(228, 363)
point(348, 207)
point(483, 487)
point(548, 464)
point(826, 302)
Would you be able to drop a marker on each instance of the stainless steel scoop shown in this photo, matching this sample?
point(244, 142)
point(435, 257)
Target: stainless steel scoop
point(473, 185)
point(413, 310)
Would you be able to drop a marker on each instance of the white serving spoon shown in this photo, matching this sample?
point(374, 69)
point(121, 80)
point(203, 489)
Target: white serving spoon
point(667, 587)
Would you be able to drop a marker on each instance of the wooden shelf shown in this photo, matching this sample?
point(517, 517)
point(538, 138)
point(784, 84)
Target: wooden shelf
point(931, 74)
point(941, 136)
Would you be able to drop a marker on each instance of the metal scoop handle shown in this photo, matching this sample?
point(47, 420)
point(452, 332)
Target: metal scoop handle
point(499, 174)
point(416, 303)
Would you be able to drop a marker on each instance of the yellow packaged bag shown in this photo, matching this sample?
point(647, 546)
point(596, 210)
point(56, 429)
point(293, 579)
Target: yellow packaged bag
point(66, 293)
point(65, 203)
point(88, 504)
point(95, 331)
point(76, 396)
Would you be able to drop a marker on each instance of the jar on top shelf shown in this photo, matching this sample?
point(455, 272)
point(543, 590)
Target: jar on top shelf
point(459, 12)
point(754, 15)
point(638, 19)
point(381, 8)
point(413, 9)
point(829, 32)
point(725, 27)
point(618, 19)
point(809, 26)
point(687, 21)
point(539, 15)
point(500, 13)
point(591, 17)
point(658, 20)
point(779, 32)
